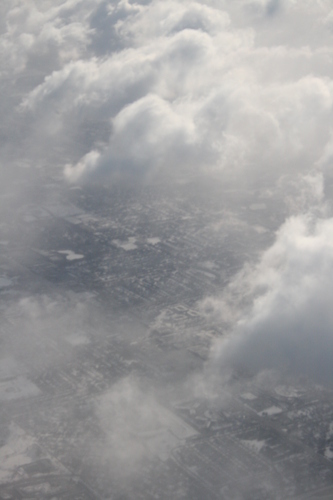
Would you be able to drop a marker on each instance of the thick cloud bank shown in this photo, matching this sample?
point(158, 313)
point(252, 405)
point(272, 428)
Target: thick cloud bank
point(135, 88)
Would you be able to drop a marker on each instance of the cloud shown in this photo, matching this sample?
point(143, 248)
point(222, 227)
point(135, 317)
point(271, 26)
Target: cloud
point(129, 417)
point(121, 90)
point(288, 324)
point(141, 88)
point(147, 135)
point(137, 433)
point(38, 38)
point(233, 93)
point(37, 329)
point(237, 92)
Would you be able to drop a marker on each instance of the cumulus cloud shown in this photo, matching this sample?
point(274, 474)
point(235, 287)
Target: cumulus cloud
point(122, 88)
point(287, 321)
point(147, 135)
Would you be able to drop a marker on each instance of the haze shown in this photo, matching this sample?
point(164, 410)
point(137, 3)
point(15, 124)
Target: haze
point(166, 242)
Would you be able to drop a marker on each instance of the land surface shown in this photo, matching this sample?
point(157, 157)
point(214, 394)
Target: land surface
point(100, 401)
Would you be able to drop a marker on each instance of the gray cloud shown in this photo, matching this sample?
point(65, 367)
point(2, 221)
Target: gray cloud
point(289, 321)
point(38, 329)
point(136, 88)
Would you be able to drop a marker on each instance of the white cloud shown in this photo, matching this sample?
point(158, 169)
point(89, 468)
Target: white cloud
point(45, 32)
point(243, 96)
point(289, 325)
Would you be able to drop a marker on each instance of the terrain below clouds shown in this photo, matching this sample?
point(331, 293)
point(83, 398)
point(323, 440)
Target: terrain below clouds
point(165, 249)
